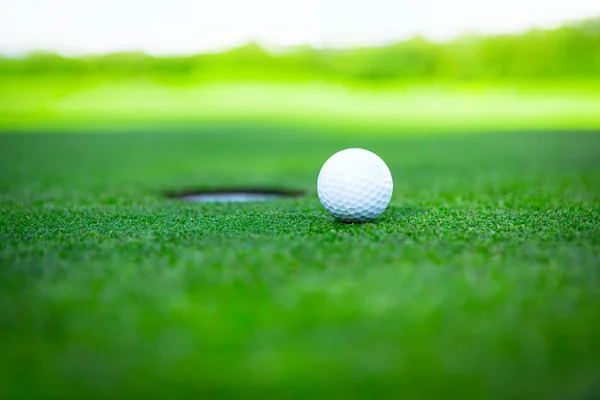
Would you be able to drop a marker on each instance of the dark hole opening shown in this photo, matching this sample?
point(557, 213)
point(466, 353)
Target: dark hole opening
point(234, 195)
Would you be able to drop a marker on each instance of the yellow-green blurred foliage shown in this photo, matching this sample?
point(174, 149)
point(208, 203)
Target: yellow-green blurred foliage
point(571, 52)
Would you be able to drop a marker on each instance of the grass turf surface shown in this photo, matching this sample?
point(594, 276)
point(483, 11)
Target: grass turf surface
point(70, 104)
point(480, 281)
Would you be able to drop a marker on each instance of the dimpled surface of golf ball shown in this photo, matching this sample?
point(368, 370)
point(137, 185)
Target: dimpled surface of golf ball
point(355, 185)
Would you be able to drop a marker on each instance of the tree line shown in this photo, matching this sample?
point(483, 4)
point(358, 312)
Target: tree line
point(568, 52)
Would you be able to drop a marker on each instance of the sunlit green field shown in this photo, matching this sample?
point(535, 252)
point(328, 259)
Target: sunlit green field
point(481, 280)
point(44, 103)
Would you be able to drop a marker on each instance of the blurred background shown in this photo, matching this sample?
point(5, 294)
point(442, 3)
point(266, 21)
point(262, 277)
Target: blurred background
point(385, 64)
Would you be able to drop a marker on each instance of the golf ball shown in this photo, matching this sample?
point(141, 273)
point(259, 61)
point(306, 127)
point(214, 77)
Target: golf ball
point(355, 185)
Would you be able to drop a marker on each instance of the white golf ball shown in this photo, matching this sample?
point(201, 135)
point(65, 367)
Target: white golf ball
point(355, 185)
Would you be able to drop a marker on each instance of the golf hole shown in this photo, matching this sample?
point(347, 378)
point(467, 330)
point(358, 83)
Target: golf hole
point(234, 195)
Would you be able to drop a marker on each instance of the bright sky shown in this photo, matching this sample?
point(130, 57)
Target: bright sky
point(184, 26)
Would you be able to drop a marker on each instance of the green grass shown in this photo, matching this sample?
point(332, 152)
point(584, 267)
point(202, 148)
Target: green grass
point(481, 280)
point(70, 103)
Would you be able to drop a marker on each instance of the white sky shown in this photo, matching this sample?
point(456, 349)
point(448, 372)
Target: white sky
point(184, 26)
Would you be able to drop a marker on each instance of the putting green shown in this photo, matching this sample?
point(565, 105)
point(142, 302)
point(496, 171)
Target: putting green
point(481, 280)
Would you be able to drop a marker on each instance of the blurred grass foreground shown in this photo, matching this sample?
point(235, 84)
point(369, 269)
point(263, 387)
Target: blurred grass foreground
point(540, 79)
